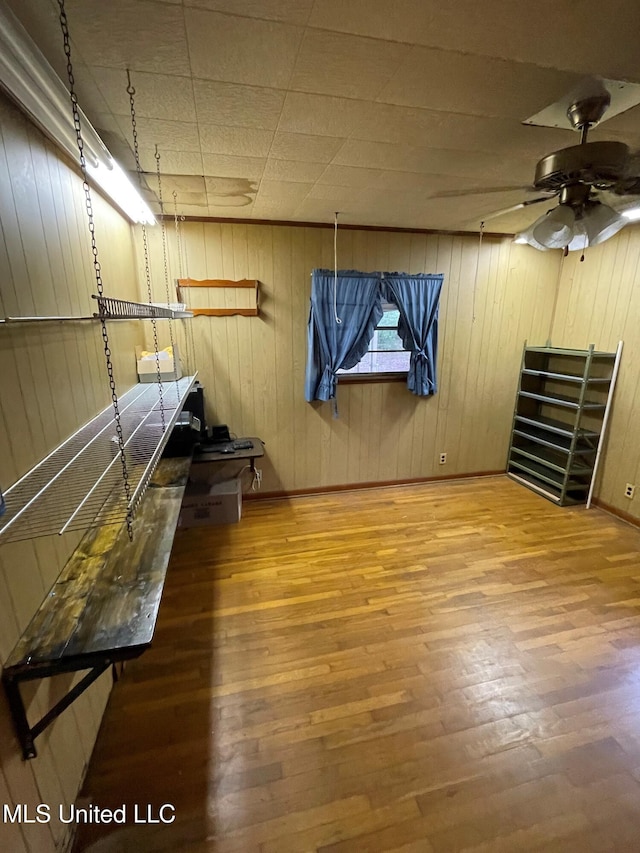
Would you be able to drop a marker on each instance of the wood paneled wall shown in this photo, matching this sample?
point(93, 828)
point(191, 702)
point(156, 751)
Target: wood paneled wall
point(52, 380)
point(253, 367)
point(599, 302)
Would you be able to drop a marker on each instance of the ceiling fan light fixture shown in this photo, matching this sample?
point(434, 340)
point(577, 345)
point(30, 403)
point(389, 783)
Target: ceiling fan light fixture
point(601, 222)
point(580, 240)
point(556, 228)
point(527, 238)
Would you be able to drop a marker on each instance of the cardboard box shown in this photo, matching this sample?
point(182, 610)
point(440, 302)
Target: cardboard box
point(170, 368)
point(204, 504)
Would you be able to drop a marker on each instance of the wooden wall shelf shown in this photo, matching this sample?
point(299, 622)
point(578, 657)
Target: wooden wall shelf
point(251, 283)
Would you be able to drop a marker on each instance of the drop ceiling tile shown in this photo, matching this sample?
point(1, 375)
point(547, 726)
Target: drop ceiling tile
point(373, 17)
point(501, 28)
point(354, 209)
point(167, 135)
point(172, 162)
point(274, 210)
point(349, 66)
point(456, 131)
point(183, 184)
point(475, 85)
point(187, 209)
point(321, 210)
point(405, 158)
point(321, 115)
point(239, 141)
point(287, 191)
point(157, 95)
point(340, 195)
point(224, 166)
point(424, 183)
point(349, 176)
point(289, 11)
point(292, 170)
point(144, 35)
point(230, 192)
point(299, 146)
point(230, 205)
point(231, 212)
point(241, 50)
point(237, 106)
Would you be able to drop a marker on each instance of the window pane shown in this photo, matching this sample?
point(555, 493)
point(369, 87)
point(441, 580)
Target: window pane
point(387, 339)
point(390, 317)
point(385, 354)
point(391, 362)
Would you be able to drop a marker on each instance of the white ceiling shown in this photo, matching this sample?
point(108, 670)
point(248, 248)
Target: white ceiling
point(294, 109)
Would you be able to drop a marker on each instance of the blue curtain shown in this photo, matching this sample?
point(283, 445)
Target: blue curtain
point(331, 345)
point(417, 299)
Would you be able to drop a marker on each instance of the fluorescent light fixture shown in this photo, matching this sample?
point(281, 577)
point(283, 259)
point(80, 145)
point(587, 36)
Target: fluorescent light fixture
point(30, 81)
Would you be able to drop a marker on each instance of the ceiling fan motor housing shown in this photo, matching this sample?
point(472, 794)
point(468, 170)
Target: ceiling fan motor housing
point(600, 164)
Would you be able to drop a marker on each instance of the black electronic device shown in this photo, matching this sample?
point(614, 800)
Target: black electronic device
point(184, 435)
point(242, 444)
point(195, 404)
point(219, 433)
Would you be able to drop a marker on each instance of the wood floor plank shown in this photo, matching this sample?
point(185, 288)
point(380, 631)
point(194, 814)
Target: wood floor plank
point(434, 668)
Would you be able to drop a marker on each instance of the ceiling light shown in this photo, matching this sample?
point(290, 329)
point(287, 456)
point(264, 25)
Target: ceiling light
point(555, 229)
point(28, 78)
point(601, 222)
point(575, 227)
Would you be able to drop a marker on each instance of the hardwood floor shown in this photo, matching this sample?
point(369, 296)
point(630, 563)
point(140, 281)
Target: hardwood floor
point(446, 667)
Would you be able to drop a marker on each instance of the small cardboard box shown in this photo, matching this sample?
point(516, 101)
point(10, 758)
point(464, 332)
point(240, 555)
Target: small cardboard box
point(170, 368)
point(204, 503)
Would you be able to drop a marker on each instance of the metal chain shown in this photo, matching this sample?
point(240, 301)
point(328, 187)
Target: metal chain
point(147, 269)
point(189, 339)
point(178, 235)
point(164, 254)
point(64, 26)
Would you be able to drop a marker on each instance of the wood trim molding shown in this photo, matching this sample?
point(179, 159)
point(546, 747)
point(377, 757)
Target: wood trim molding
point(618, 513)
point(343, 227)
point(378, 484)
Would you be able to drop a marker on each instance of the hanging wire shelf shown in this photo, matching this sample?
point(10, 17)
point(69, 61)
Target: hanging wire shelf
point(79, 484)
point(114, 309)
point(120, 309)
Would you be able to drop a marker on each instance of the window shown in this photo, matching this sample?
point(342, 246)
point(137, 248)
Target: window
point(386, 354)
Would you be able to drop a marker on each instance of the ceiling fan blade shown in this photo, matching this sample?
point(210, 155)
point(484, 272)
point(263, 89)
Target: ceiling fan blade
point(519, 206)
point(485, 191)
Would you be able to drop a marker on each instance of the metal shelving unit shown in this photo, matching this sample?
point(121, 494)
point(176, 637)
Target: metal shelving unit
point(561, 411)
point(79, 484)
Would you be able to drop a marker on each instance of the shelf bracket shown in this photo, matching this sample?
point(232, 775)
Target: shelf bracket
point(26, 733)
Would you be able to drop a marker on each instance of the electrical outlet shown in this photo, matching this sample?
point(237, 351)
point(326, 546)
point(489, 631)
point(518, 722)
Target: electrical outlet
point(629, 490)
point(443, 458)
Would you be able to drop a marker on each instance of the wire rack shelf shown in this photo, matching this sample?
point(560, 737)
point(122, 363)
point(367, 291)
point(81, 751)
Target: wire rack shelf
point(79, 484)
point(120, 309)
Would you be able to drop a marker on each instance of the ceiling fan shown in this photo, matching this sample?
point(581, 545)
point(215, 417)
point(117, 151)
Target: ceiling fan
point(578, 176)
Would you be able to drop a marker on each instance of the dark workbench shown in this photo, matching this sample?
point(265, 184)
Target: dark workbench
point(103, 607)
